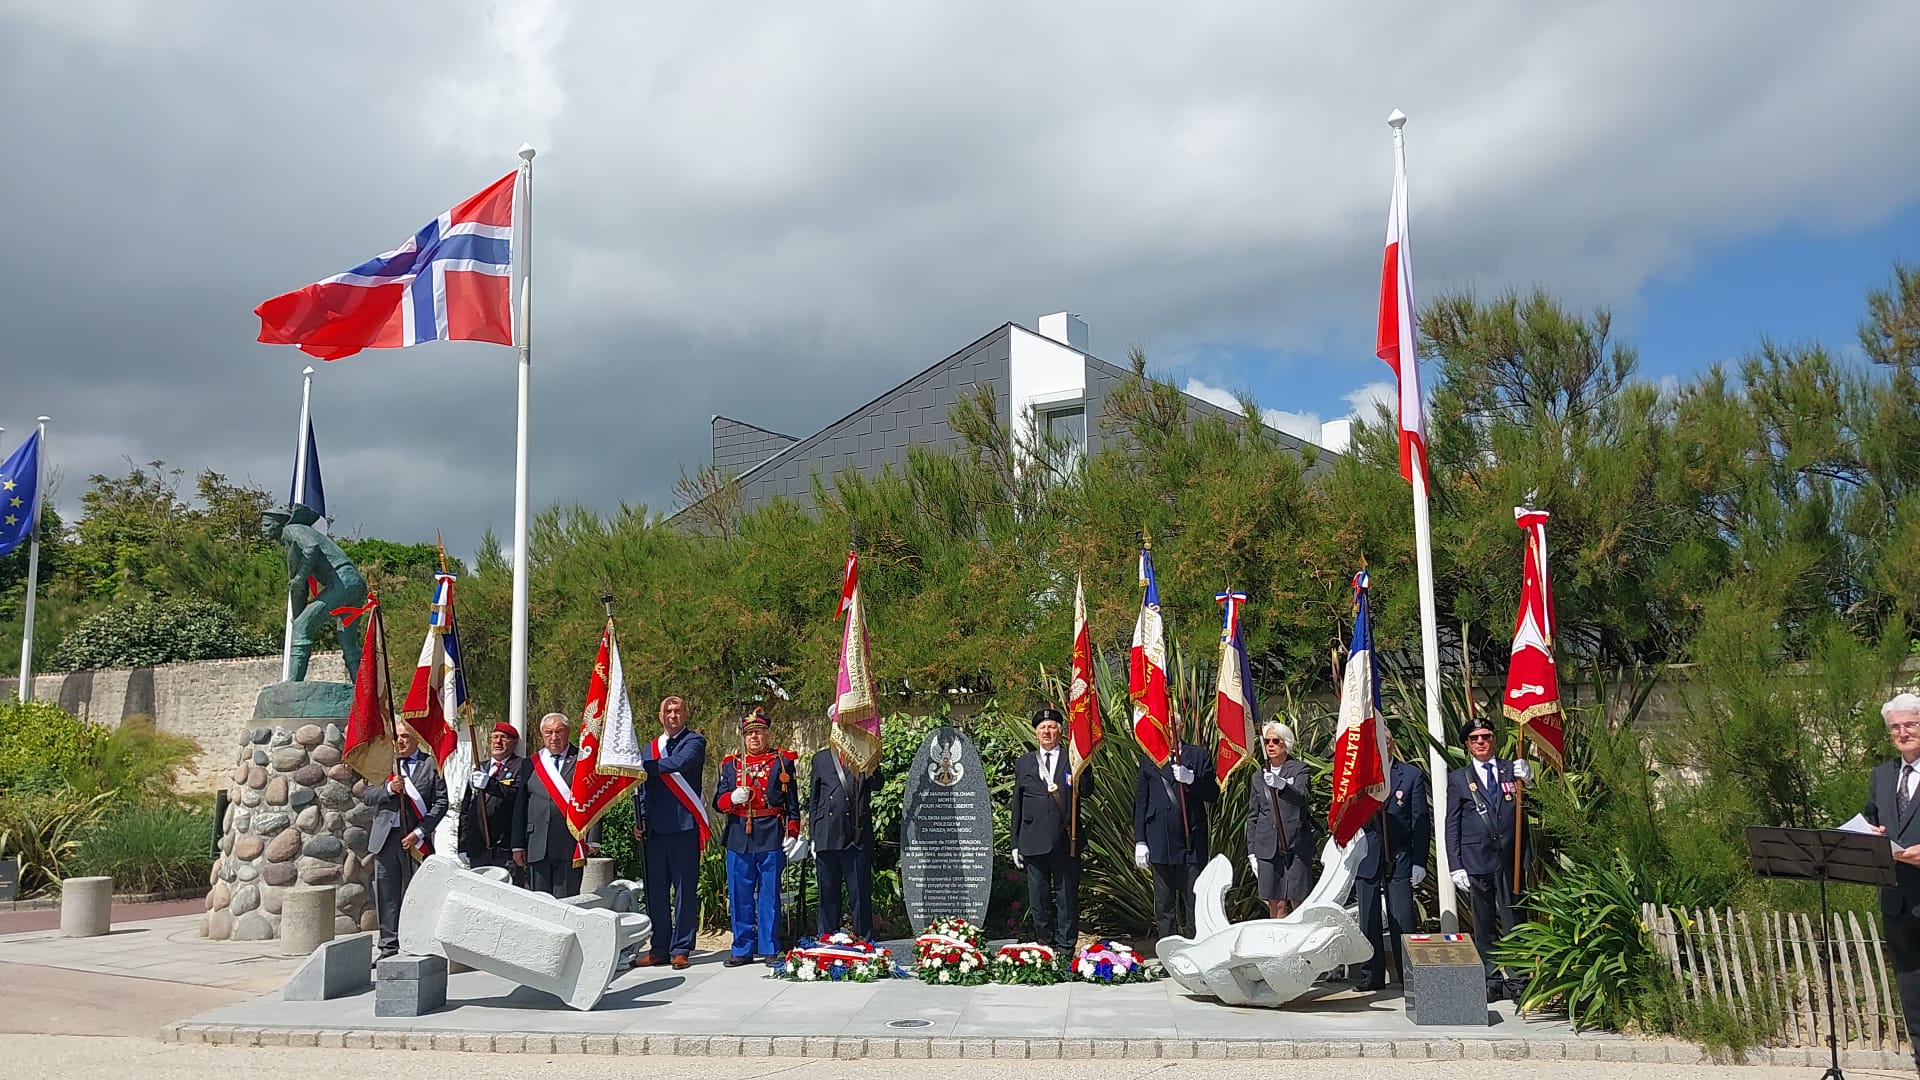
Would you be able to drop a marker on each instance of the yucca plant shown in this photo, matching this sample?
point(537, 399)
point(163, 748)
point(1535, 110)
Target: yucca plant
point(1584, 946)
point(45, 832)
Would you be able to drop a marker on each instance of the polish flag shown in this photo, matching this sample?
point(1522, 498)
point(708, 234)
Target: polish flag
point(1395, 343)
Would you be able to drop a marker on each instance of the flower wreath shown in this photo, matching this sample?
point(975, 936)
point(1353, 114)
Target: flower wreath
point(836, 958)
point(1109, 962)
point(949, 954)
point(1026, 963)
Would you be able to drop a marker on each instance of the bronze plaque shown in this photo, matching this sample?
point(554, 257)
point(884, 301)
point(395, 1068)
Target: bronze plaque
point(1435, 951)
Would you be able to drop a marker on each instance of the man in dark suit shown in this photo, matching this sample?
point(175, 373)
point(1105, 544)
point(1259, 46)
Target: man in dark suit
point(670, 822)
point(1892, 794)
point(1483, 832)
point(840, 821)
point(495, 798)
point(547, 845)
point(407, 807)
point(1045, 837)
point(1170, 829)
point(1408, 818)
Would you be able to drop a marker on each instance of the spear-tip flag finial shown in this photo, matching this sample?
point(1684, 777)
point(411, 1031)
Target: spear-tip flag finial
point(1396, 119)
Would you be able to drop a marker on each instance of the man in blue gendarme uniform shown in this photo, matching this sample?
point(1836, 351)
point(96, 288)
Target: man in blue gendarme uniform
point(760, 796)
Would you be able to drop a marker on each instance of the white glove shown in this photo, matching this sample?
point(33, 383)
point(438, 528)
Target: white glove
point(1182, 774)
point(741, 796)
point(479, 781)
point(796, 848)
point(1523, 772)
point(1253, 864)
point(1019, 863)
point(1273, 780)
point(1460, 880)
point(1419, 875)
point(1140, 856)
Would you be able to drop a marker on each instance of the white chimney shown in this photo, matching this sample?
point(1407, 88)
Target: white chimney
point(1336, 434)
point(1066, 328)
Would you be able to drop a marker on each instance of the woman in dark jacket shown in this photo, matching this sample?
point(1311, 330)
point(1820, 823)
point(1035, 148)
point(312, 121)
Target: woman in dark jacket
point(1280, 838)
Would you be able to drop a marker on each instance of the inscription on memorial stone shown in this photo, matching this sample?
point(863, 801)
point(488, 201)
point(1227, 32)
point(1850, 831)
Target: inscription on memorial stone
point(946, 832)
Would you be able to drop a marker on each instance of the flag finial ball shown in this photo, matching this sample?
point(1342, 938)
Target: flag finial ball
point(526, 151)
point(1396, 119)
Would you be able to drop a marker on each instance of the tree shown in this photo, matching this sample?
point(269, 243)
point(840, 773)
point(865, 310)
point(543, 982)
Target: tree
point(143, 633)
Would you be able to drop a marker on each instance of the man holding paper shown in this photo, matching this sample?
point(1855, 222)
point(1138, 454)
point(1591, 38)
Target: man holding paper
point(1892, 795)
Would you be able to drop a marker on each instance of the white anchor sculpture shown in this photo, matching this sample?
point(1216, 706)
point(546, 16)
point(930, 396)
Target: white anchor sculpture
point(1269, 962)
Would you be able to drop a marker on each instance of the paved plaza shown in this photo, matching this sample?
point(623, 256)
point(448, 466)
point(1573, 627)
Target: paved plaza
point(160, 978)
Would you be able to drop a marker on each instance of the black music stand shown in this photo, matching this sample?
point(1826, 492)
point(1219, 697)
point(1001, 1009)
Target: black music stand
point(1823, 855)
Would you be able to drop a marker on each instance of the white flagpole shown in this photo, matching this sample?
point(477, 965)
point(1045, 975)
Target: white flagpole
point(33, 564)
point(299, 489)
point(523, 256)
point(1423, 556)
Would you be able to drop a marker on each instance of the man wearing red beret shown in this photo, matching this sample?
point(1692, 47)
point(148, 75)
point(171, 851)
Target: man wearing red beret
point(495, 799)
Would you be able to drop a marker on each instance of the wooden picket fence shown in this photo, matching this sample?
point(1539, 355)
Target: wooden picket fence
point(1768, 971)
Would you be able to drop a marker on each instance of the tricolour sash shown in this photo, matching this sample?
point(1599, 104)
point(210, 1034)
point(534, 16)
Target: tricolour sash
point(682, 790)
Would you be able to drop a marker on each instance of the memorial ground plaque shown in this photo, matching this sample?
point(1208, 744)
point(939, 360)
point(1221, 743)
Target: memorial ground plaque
point(946, 832)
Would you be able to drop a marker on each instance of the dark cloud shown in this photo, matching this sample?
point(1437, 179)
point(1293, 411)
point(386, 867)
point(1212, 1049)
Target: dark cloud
point(774, 212)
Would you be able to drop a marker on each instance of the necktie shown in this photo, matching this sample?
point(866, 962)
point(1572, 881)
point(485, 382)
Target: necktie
point(1047, 763)
point(1903, 794)
point(1493, 780)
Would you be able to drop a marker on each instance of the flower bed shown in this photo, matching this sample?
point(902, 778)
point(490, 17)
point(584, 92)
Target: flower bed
point(837, 958)
point(1109, 962)
point(948, 954)
point(1027, 964)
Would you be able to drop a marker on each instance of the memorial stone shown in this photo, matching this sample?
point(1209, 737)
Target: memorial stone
point(946, 832)
point(1445, 981)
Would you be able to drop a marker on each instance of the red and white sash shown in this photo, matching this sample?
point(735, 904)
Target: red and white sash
point(682, 790)
point(562, 795)
point(419, 814)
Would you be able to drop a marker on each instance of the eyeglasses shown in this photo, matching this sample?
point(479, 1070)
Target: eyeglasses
point(1276, 739)
point(1903, 725)
point(1479, 738)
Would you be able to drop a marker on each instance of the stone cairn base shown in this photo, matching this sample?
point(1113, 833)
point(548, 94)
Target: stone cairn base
point(294, 817)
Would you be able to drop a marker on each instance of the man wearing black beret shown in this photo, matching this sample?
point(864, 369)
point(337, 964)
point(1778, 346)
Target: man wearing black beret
point(1045, 836)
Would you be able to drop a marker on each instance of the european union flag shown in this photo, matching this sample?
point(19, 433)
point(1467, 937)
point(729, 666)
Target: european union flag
point(19, 479)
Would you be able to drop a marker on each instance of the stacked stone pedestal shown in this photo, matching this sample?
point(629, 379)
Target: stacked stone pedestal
point(294, 817)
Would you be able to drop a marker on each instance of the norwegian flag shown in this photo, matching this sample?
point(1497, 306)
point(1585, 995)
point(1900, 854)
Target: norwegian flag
point(1236, 709)
point(451, 281)
point(1360, 741)
point(1083, 702)
point(437, 706)
point(1147, 671)
point(1395, 341)
point(607, 709)
point(1533, 686)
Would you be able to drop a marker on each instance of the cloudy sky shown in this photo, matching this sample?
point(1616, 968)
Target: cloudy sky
point(776, 211)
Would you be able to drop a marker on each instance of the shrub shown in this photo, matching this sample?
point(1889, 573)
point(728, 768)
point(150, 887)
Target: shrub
point(41, 747)
point(143, 633)
point(148, 848)
point(1586, 948)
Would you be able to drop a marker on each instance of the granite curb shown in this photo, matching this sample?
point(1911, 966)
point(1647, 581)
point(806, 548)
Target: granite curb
point(849, 1047)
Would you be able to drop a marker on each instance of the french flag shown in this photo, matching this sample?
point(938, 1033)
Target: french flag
point(451, 281)
point(1360, 741)
point(1236, 708)
point(1147, 671)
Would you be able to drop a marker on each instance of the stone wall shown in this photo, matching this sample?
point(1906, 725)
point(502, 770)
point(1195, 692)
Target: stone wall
point(210, 702)
point(294, 817)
